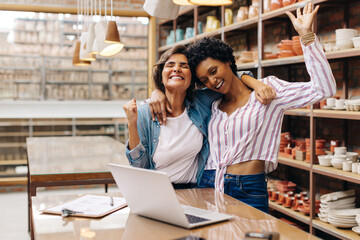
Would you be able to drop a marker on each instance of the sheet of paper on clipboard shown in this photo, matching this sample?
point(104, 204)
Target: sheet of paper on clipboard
point(93, 206)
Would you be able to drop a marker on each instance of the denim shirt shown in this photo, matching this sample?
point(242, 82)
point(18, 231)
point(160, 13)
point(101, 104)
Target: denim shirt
point(199, 112)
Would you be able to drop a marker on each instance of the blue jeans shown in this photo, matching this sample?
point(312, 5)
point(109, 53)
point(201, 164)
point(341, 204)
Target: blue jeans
point(250, 189)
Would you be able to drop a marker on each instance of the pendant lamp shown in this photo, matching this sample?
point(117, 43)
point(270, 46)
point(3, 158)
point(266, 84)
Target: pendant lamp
point(112, 36)
point(84, 55)
point(91, 36)
point(211, 2)
point(76, 59)
point(182, 2)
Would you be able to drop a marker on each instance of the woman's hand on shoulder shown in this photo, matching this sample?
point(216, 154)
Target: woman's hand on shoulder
point(130, 109)
point(158, 106)
point(264, 93)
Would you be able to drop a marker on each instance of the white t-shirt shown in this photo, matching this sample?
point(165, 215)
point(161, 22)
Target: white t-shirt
point(176, 152)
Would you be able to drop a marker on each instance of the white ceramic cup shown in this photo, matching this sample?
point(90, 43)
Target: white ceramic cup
point(354, 167)
point(347, 166)
point(339, 103)
point(330, 102)
point(340, 150)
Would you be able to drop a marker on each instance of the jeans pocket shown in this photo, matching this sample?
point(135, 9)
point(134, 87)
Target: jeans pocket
point(254, 189)
point(207, 179)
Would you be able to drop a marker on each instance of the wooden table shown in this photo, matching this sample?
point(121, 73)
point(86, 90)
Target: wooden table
point(124, 225)
point(62, 161)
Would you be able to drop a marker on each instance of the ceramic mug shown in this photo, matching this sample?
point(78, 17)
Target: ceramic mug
point(347, 166)
point(228, 16)
point(330, 102)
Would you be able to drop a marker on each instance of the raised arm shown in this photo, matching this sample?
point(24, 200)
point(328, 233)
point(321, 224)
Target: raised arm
point(322, 84)
point(130, 109)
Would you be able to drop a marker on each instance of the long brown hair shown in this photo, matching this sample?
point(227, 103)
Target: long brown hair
point(159, 66)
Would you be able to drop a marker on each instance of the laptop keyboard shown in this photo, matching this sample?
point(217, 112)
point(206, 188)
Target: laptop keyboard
point(195, 219)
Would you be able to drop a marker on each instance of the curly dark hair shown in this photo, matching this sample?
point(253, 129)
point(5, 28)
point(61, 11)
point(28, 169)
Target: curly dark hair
point(209, 48)
point(159, 66)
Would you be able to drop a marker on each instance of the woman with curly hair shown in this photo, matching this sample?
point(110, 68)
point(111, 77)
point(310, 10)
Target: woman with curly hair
point(166, 147)
point(243, 134)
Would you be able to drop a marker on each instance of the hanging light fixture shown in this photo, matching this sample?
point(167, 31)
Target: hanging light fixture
point(211, 2)
point(104, 49)
point(182, 2)
point(91, 35)
point(84, 55)
point(112, 37)
point(76, 59)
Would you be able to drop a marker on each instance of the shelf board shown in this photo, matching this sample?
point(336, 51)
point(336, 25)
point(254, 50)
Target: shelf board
point(52, 133)
point(13, 162)
point(351, 115)
point(296, 215)
point(20, 68)
point(290, 8)
point(337, 173)
point(294, 163)
point(302, 112)
point(281, 11)
point(67, 83)
point(334, 231)
point(351, 52)
point(246, 24)
point(246, 66)
point(94, 132)
point(183, 42)
point(15, 144)
point(282, 61)
point(13, 181)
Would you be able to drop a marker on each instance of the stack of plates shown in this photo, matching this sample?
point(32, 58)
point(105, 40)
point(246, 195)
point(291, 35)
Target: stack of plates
point(344, 36)
point(344, 218)
point(335, 201)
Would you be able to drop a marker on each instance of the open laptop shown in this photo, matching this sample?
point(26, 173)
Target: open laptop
point(150, 194)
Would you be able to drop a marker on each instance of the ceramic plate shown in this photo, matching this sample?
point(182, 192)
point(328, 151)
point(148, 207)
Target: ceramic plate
point(345, 212)
point(327, 107)
point(341, 225)
point(339, 109)
point(356, 229)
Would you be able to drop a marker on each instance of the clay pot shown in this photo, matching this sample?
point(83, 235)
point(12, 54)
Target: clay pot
point(242, 14)
point(288, 2)
point(276, 4)
point(253, 11)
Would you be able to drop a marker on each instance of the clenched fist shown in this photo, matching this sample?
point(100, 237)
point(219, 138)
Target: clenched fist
point(130, 109)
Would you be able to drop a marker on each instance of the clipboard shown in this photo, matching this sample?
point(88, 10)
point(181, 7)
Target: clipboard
point(92, 206)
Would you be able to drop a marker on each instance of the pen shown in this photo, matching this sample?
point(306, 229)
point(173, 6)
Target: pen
point(111, 201)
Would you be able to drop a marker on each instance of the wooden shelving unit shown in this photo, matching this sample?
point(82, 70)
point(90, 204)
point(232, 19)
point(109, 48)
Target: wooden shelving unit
point(258, 24)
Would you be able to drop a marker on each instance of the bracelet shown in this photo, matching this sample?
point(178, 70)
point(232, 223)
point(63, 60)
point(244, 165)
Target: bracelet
point(308, 38)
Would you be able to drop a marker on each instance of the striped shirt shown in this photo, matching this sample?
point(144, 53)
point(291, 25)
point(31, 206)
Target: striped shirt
point(252, 132)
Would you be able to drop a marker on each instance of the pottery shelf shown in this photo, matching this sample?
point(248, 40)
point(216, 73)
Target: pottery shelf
point(336, 173)
point(294, 163)
point(341, 233)
point(287, 211)
point(268, 20)
point(15, 131)
point(325, 227)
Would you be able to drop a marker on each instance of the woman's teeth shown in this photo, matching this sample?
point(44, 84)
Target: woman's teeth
point(220, 84)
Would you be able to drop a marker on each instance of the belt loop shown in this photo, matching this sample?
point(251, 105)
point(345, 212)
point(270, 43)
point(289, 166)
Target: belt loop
point(238, 180)
point(266, 177)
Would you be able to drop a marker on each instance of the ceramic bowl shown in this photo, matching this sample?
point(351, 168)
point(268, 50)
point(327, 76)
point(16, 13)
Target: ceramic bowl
point(324, 160)
point(356, 42)
point(337, 164)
